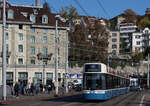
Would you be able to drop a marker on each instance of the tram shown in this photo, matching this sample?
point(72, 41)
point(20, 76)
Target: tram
point(99, 84)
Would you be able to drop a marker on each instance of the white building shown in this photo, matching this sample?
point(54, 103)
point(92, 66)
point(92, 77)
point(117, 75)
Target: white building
point(30, 41)
point(126, 30)
point(140, 40)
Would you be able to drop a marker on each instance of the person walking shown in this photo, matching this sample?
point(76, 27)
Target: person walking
point(32, 89)
point(16, 89)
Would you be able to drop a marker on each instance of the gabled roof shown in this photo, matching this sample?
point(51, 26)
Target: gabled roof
point(28, 10)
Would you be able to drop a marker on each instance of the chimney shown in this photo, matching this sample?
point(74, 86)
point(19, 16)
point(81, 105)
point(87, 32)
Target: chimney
point(37, 3)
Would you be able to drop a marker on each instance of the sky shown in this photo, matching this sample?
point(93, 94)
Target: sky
point(98, 8)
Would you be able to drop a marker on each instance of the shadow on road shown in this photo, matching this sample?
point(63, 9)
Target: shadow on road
point(75, 98)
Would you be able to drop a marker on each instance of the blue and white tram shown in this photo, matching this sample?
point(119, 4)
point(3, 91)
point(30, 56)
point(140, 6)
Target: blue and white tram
point(98, 84)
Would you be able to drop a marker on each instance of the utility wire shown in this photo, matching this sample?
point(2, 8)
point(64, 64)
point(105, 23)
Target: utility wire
point(76, 1)
point(100, 4)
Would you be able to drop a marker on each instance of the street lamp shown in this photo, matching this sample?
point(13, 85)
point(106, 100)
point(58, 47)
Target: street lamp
point(4, 52)
point(44, 59)
point(148, 72)
point(58, 17)
point(56, 56)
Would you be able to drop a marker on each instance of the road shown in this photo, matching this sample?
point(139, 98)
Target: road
point(130, 99)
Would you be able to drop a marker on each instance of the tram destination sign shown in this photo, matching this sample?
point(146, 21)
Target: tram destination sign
point(92, 68)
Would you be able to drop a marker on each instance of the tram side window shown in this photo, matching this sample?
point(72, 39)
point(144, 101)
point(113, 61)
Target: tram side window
point(108, 81)
point(116, 82)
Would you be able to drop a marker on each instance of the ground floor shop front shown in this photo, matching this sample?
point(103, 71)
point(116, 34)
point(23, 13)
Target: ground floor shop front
point(32, 75)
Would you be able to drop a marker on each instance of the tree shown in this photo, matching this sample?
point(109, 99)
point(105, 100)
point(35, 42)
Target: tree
point(145, 22)
point(46, 6)
point(69, 12)
point(137, 57)
point(146, 52)
point(130, 16)
point(89, 49)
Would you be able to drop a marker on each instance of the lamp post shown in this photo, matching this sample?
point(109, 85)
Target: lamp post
point(56, 56)
point(44, 61)
point(66, 75)
point(148, 73)
point(4, 52)
point(58, 17)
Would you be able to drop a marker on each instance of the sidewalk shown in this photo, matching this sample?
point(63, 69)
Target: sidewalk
point(39, 96)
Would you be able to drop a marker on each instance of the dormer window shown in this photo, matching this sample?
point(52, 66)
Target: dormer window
point(10, 14)
point(44, 19)
point(32, 18)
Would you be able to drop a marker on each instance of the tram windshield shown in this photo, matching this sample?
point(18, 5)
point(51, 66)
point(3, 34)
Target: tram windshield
point(94, 81)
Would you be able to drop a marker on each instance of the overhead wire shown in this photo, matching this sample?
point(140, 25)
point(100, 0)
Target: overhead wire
point(76, 1)
point(101, 6)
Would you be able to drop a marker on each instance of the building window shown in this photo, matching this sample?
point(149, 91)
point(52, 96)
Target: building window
point(137, 42)
point(44, 31)
point(32, 49)
point(7, 60)
point(20, 48)
point(9, 75)
point(10, 14)
point(9, 78)
point(6, 26)
point(114, 52)
point(49, 76)
point(22, 76)
point(45, 51)
point(32, 39)
point(6, 36)
point(114, 34)
point(32, 61)
point(44, 19)
point(6, 47)
point(44, 39)
point(32, 29)
point(114, 46)
point(146, 31)
point(32, 18)
point(20, 60)
point(20, 36)
point(38, 75)
point(20, 26)
point(114, 40)
point(137, 36)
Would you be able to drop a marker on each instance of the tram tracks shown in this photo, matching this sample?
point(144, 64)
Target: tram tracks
point(127, 99)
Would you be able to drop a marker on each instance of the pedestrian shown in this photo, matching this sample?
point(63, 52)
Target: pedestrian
point(28, 89)
point(16, 89)
point(49, 88)
point(63, 89)
point(32, 89)
point(37, 88)
point(12, 89)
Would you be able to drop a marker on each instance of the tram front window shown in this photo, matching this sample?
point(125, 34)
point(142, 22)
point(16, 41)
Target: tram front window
point(94, 81)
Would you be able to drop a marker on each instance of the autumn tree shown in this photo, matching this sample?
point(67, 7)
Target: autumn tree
point(130, 16)
point(87, 43)
point(143, 23)
point(69, 12)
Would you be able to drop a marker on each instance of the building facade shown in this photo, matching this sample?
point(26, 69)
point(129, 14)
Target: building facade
point(114, 42)
point(141, 40)
point(30, 43)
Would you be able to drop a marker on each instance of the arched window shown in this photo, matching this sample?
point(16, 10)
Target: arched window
point(44, 19)
point(10, 14)
point(32, 18)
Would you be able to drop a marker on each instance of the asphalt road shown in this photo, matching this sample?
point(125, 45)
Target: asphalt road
point(141, 98)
